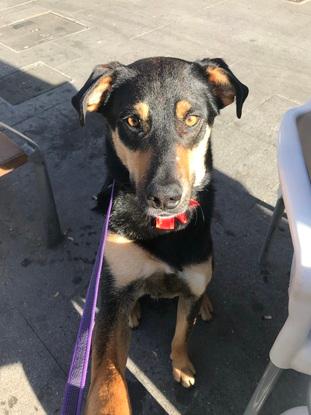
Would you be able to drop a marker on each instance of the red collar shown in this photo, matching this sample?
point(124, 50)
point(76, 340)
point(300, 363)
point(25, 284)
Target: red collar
point(169, 223)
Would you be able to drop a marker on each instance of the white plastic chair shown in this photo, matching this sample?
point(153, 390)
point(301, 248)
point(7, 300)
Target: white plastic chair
point(292, 347)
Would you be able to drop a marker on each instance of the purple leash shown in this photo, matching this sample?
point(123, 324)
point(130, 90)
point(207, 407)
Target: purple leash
point(78, 369)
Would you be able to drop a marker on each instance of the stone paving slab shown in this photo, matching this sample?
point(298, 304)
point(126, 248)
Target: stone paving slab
point(50, 53)
point(20, 348)
point(20, 86)
point(20, 12)
point(26, 33)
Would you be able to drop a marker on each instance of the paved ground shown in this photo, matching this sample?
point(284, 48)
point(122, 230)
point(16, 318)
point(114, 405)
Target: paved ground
point(41, 291)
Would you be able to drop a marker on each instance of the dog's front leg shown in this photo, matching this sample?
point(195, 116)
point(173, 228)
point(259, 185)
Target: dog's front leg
point(108, 394)
point(183, 369)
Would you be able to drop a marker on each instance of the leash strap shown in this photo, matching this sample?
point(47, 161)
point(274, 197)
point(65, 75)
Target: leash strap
point(78, 369)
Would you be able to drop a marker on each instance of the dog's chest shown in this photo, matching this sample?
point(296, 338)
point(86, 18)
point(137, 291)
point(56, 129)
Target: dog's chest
point(129, 263)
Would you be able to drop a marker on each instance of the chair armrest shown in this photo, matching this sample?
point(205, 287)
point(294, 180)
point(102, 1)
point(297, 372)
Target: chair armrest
point(290, 349)
point(296, 190)
point(25, 143)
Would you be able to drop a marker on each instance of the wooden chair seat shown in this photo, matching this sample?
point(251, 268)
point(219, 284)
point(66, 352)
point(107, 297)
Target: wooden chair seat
point(11, 156)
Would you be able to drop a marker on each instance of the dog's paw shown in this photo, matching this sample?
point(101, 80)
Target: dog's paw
point(183, 371)
point(206, 310)
point(135, 316)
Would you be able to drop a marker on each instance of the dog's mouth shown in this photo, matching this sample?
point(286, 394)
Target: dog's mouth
point(167, 214)
point(182, 210)
point(169, 222)
point(158, 213)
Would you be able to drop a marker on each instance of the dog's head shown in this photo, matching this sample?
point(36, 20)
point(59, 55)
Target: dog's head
point(161, 111)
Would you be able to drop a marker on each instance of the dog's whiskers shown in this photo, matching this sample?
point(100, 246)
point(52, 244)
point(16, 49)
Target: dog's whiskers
point(196, 216)
point(202, 213)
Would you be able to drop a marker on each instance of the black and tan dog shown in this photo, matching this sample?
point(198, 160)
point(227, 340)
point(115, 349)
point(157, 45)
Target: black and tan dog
point(160, 112)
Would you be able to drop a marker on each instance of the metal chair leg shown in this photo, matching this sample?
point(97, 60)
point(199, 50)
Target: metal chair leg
point(264, 387)
point(277, 214)
point(50, 215)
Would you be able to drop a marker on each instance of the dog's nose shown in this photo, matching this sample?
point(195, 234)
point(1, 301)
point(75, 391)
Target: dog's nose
point(165, 197)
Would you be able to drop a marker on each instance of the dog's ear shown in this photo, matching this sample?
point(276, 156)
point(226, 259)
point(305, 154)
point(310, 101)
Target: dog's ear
point(225, 86)
point(96, 91)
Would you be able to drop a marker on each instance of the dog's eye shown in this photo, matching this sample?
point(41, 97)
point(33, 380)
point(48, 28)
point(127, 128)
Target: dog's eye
point(133, 121)
point(191, 120)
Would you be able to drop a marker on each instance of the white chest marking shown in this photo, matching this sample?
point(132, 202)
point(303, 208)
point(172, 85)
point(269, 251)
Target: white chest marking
point(197, 276)
point(129, 262)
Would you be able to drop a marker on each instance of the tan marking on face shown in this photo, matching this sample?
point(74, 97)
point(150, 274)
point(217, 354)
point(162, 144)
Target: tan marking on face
point(182, 108)
point(129, 262)
point(197, 276)
point(142, 110)
point(137, 162)
point(191, 162)
point(183, 163)
point(97, 96)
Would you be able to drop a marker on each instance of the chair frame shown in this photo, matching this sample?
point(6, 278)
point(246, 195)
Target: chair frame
point(292, 344)
point(50, 217)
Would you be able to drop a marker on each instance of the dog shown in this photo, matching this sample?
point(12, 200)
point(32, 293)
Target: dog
point(160, 112)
